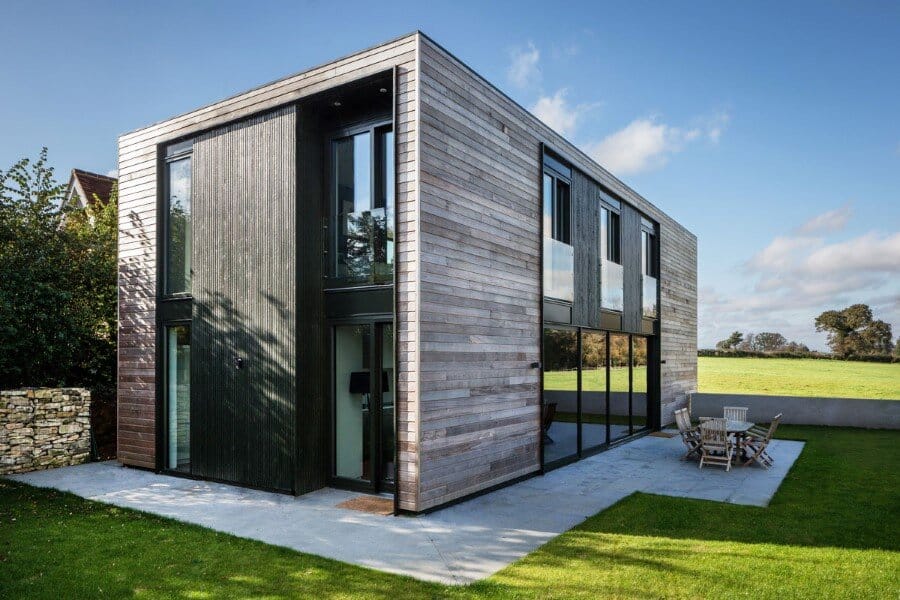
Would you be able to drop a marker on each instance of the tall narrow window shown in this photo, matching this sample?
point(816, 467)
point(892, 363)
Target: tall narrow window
point(612, 291)
point(178, 225)
point(649, 273)
point(363, 190)
point(559, 256)
point(560, 409)
point(178, 396)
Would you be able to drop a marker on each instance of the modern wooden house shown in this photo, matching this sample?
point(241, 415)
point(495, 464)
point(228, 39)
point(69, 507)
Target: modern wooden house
point(384, 274)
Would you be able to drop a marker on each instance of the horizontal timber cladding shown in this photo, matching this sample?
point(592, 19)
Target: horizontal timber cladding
point(244, 305)
point(138, 185)
point(479, 295)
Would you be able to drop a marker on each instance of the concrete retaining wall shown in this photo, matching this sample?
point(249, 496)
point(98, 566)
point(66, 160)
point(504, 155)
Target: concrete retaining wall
point(41, 428)
point(796, 410)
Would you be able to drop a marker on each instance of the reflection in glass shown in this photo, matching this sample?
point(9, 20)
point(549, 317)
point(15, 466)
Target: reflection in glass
point(559, 256)
point(178, 226)
point(351, 401)
point(612, 290)
point(639, 374)
point(365, 234)
point(559, 269)
point(651, 309)
point(387, 403)
point(593, 389)
point(178, 397)
point(560, 416)
point(618, 385)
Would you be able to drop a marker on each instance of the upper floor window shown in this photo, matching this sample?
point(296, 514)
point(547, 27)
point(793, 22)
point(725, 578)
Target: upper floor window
point(559, 256)
point(648, 253)
point(177, 189)
point(362, 182)
point(612, 274)
point(610, 236)
point(649, 270)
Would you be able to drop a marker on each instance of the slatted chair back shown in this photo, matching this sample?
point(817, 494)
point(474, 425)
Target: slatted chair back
point(715, 446)
point(714, 434)
point(773, 427)
point(688, 434)
point(735, 413)
point(682, 420)
point(758, 447)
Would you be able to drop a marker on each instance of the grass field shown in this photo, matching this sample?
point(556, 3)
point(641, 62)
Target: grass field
point(799, 377)
point(764, 376)
point(830, 532)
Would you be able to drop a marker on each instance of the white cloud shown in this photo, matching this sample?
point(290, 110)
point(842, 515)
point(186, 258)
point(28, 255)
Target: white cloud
point(524, 70)
point(112, 173)
point(642, 145)
point(646, 144)
point(872, 252)
point(833, 220)
point(797, 276)
point(556, 112)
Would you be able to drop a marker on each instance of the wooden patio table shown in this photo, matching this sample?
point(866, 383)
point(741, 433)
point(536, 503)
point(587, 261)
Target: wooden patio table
point(739, 430)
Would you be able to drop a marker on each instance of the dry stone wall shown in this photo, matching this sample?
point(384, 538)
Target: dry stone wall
point(42, 428)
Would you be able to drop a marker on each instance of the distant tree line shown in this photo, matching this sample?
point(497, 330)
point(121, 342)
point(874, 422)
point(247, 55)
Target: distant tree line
point(853, 334)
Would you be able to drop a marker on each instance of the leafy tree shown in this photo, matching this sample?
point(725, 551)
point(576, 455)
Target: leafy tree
point(768, 341)
point(731, 342)
point(854, 331)
point(57, 284)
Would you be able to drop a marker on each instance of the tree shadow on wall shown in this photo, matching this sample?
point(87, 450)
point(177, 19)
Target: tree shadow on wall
point(243, 390)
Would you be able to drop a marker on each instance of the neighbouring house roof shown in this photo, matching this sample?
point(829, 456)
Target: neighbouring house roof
point(86, 187)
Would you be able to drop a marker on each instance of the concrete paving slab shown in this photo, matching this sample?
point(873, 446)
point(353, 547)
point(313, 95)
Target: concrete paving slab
point(459, 544)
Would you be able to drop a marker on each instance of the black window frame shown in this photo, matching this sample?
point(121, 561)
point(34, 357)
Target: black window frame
point(613, 250)
point(173, 152)
point(561, 224)
point(163, 395)
point(649, 251)
point(373, 127)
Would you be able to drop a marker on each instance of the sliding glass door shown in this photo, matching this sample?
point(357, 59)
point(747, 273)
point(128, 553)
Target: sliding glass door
point(363, 404)
point(595, 390)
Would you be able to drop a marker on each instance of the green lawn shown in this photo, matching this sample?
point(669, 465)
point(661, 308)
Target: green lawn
point(595, 380)
point(765, 376)
point(831, 531)
point(799, 377)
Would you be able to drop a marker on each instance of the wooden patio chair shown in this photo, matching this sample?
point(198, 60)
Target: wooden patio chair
point(756, 442)
point(689, 434)
point(716, 448)
point(547, 416)
point(735, 413)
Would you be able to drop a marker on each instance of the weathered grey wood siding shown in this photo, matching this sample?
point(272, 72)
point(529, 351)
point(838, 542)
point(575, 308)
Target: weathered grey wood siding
point(479, 324)
point(244, 197)
point(138, 184)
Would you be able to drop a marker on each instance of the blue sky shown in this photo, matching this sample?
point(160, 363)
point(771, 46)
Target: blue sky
point(771, 129)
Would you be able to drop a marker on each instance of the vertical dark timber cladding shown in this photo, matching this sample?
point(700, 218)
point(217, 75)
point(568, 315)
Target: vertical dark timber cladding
point(585, 238)
point(243, 319)
point(631, 258)
point(312, 454)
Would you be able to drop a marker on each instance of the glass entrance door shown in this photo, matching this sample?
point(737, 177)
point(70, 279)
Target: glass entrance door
point(363, 404)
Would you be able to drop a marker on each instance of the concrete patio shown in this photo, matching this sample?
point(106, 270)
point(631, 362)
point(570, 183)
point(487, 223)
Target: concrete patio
point(456, 545)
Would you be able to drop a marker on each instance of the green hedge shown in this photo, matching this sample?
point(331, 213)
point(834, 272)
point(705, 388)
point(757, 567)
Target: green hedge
point(876, 358)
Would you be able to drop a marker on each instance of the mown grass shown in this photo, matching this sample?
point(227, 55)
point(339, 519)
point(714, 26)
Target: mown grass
point(764, 376)
point(799, 377)
point(831, 531)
